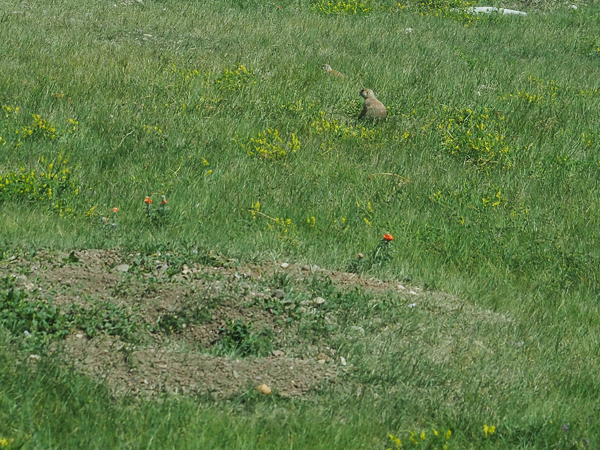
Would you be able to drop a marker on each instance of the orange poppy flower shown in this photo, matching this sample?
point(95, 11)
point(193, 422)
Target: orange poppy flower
point(114, 209)
point(147, 200)
point(388, 237)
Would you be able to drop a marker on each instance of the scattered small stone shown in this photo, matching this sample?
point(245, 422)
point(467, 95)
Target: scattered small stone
point(285, 265)
point(412, 305)
point(277, 353)
point(27, 333)
point(79, 335)
point(401, 287)
point(12, 258)
point(305, 267)
point(35, 357)
point(319, 301)
point(21, 279)
point(573, 6)
point(321, 356)
point(408, 30)
point(123, 268)
point(343, 360)
point(306, 302)
point(412, 292)
point(264, 389)
point(314, 268)
point(321, 361)
point(278, 293)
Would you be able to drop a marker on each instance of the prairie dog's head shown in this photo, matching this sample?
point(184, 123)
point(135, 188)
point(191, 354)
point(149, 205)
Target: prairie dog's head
point(327, 67)
point(366, 93)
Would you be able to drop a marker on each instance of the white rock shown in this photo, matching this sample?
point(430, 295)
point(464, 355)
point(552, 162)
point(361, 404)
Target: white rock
point(319, 300)
point(408, 30)
point(285, 265)
point(412, 305)
point(401, 287)
point(122, 268)
point(34, 357)
point(343, 360)
point(491, 9)
point(573, 6)
point(412, 292)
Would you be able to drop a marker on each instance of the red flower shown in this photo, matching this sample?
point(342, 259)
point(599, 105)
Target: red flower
point(114, 209)
point(388, 237)
point(147, 200)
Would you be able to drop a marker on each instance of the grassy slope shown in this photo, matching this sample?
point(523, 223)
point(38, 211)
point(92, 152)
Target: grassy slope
point(534, 255)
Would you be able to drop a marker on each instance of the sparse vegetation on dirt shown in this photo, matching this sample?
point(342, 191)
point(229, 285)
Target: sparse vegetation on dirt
point(192, 209)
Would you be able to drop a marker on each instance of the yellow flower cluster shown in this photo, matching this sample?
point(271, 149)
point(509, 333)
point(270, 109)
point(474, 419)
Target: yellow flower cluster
point(476, 137)
point(269, 145)
point(452, 9)
point(419, 440)
point(43, 127)
point(544, 92)
point(343, 7)
point(235, 79)
point(52, 185)
point(333, 128)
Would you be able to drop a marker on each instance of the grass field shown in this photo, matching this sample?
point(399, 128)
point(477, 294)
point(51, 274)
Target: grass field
point(208, 132)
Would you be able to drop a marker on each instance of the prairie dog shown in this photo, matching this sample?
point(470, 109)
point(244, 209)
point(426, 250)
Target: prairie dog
point(334, 73)
point(373, 108)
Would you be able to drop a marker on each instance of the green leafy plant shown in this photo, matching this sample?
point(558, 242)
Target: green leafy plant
point(238, 338)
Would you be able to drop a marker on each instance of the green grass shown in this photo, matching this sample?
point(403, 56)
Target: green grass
point(160, 105)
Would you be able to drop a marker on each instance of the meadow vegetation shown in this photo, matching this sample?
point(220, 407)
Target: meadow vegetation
point(209, 128)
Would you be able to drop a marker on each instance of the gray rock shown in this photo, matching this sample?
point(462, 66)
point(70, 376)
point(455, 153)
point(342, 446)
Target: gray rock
point(278, 293)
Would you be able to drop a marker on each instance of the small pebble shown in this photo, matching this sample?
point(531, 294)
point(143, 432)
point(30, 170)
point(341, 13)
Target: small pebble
point(343, 360)
point(285, 265)
point(277, 353)
point(319, 300)
point(412, 305)
point(264, 389)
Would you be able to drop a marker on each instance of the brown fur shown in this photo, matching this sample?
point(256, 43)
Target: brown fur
point(373, 108)
point(334, 73)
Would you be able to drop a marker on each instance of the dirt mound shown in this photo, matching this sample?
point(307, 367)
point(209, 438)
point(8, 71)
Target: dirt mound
point(158, 323)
